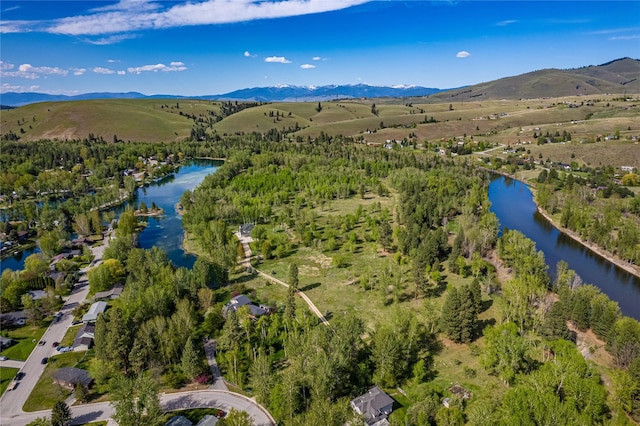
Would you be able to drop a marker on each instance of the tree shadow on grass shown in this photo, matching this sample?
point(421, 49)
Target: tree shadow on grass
point(310, 287)
point(486, 304)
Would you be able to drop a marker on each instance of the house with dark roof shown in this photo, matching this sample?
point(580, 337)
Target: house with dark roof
point(68, 377)
point(374, 406)
point(113, 293)
point(179, 421)
point(242, 300)
point(84, 337)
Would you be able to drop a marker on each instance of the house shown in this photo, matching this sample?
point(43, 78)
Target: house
point(68, 377)
point(84, 338)
point(114, 293)
point(95, 310)
point(37, 294)
point(245, 230)
point(179, 421)
point(242, 300)
point(375, 406)
point(208, 420)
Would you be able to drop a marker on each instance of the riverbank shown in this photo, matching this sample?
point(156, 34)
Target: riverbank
point(605, 254)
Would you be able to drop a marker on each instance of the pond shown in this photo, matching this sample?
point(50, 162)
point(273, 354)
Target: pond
point(163, 231)
point(513, 203)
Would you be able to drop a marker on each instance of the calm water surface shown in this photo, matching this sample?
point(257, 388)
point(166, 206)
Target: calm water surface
point(513, 203)
point(164, 231)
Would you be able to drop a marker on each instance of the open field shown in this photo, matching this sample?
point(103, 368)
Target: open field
point(420, 121)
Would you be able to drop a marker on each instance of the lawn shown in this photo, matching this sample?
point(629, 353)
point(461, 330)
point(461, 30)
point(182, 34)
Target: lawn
point(6, 376)
point(46, 393)
point(26, 339)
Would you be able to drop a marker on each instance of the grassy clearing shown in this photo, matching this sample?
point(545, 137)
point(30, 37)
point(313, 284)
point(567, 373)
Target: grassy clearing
point(46, 393)
point(26, 339)
point(6, 376)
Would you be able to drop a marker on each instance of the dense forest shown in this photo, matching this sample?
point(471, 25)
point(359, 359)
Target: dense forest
point(438, 278)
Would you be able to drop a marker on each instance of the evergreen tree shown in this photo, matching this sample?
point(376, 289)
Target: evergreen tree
point(61, 414)
point(190, 361)
point(460, 314)
point(290, 308)
point(555, 323)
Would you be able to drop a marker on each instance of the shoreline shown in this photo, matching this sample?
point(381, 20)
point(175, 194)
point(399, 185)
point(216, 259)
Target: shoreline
point(610, 257)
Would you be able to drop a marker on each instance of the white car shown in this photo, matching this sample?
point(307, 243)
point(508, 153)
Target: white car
point(3, 358)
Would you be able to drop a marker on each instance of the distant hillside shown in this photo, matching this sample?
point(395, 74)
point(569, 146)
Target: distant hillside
point(262, 94)
point(322, 93)
point(618, 76)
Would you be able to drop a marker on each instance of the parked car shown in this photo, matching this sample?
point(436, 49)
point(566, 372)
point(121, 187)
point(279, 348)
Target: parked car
point(64, 349)
point(20, 375)
point(55, 344)
point(3, 358)
point(220, 414)
point(42, 342)
point(12, 385)
point(44, 360)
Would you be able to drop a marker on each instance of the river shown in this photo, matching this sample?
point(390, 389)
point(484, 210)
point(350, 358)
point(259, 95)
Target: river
point(513, 203)
point(163, 231)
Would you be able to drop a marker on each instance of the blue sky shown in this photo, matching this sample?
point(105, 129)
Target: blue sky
point(204, 47)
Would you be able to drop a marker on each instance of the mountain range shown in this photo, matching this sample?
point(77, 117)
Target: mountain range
point(617, 76)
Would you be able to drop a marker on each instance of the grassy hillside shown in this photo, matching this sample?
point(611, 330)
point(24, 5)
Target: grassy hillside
point(619, 76)
point(416, 121)
point(128, 119)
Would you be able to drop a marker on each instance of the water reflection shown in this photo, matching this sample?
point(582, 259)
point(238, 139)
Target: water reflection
point(162, 231)
point(513, 203)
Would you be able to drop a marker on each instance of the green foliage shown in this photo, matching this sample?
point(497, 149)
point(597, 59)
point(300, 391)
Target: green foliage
point(505, 353)
point(236, 418)
point(460, 314)
point(397, 344)
point(61, 414)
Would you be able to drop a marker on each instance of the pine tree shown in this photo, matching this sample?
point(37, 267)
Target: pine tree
point(290, 308)
point(61, 414)
point(190, 361)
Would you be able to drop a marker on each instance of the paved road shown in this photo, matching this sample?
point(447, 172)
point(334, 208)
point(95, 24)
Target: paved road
point(12, 401)
point(223, 400)
point(210, 352)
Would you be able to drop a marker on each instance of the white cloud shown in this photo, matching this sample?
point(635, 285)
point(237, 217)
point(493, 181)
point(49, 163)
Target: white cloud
point(78, 71)
point(21, 89)
point(103, 41)
point(29, 71)
point(101, 70)
point(112, 61)
point(463, 54)
point(248, 54)
point(277, 59)
point(172, 67)
point(506, 22)
point(307, 66)
point(316, 58)
point(627, 37)
point(121, 72)
point(6, 66)
point(137, 15)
